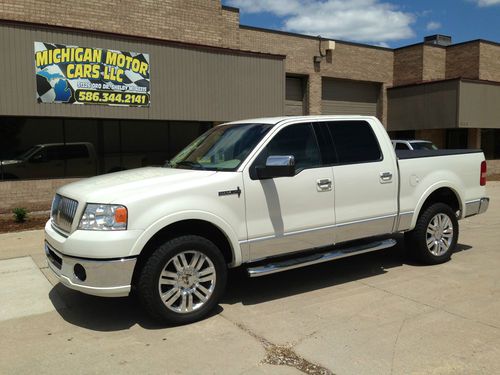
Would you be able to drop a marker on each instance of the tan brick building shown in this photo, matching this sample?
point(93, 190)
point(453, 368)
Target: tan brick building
point(205, 68)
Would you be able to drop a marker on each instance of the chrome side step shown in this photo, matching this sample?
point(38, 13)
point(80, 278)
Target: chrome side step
point(308, 260)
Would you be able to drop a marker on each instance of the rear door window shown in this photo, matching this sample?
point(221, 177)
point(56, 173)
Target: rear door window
point(354, 142)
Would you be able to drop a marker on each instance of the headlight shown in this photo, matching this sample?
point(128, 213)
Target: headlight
point(104, 217)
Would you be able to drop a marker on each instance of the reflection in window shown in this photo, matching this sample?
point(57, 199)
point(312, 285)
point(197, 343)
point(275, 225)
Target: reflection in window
point(38, 148)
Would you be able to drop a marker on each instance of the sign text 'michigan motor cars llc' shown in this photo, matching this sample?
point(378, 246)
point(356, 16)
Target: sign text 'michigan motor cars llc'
point(83, 75)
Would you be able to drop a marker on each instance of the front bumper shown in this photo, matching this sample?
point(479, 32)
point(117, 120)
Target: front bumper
point(103, 277)
point(476, 207)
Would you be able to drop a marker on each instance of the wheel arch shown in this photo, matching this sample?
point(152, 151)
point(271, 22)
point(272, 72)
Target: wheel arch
point(439, 193)
point(202, 224)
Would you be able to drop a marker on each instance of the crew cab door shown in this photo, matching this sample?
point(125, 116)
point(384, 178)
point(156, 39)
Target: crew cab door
point(287, 214)
point(365, 180)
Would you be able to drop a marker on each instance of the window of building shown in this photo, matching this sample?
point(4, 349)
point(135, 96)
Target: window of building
point(456, 138)
point(402, 134)
point(490, 143)
point(401, 146)
point(39, 148)
point(354, 142)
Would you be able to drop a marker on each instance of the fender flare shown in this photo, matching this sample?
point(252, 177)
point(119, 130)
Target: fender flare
point(431, 189)
point(190, 215)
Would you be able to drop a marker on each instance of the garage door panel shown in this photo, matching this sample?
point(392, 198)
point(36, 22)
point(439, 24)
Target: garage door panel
point(294, 108)
point(341, 97)
point(294, 103)
point(330, 107)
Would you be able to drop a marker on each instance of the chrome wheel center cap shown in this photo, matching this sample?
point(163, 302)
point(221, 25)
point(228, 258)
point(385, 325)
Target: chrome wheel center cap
point(187, 279)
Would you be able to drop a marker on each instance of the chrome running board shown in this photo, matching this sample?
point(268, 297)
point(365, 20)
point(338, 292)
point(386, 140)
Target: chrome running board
point(307, 260)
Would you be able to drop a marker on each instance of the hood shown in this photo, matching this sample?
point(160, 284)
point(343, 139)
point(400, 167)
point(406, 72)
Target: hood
point(119, 187)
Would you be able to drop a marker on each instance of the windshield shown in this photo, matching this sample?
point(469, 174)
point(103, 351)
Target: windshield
point(423, 146)
point(222, 148)
point(27, 153)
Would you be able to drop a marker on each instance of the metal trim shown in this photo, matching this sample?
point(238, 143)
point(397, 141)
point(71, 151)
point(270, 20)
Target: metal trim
point(405, 219)
point(106, 278)
point(476, 206)
point(304, 231)
point(308, 260)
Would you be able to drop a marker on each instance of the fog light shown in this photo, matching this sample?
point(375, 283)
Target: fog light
point(79, 272)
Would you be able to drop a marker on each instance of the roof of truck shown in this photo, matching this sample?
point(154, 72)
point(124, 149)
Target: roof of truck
point(276, 120)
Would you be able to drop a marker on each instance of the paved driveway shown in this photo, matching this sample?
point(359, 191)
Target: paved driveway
point(373, 314)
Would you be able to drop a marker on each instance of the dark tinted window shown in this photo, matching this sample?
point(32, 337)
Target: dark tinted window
point(456, 138)
point(296, 140)
point(401, 146)
point(38, 148)
point(325, 143)
point(54, 153)
point(77, 152)
point(354, 142)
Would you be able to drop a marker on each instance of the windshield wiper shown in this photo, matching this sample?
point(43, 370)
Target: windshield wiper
point(187, 163)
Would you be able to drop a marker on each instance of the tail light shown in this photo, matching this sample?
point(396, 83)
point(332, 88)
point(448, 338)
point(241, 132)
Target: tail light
point(482, 180)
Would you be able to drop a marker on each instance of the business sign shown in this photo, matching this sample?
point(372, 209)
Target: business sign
point(82, 75)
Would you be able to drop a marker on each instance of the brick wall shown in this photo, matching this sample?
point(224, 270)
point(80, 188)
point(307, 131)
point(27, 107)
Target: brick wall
point(346, 61)
point(408, 65)
point(463, 61)
point(34, 195)
point(493, 167)
point(434, 63)
point(192, 21)
point(489, 62)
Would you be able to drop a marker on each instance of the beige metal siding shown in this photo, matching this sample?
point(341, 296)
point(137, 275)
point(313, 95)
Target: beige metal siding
point(479, 105)
point(186, 83)
point(294, 96)
point(424, 106)
point(341, 97)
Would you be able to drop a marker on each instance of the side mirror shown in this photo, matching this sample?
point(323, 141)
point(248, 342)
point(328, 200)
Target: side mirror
point(277, 166)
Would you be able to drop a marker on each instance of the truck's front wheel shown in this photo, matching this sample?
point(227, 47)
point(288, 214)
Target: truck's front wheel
point(435, 235)
point(183, 280)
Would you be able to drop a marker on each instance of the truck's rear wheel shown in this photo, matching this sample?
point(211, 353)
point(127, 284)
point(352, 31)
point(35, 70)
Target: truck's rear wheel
point(435, 235)
point(183, 280)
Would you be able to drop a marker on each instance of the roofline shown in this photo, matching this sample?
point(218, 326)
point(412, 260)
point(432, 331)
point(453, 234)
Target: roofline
point(451, 45)
point(230, 9)
point(169, 42)
point(305, 36)
point(461, 79)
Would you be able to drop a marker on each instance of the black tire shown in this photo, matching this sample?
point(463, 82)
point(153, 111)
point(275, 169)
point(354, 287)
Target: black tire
point(149, 291)
point(416, 240)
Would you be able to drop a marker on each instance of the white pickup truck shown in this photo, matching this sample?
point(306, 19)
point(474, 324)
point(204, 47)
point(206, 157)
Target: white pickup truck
point(269, 194)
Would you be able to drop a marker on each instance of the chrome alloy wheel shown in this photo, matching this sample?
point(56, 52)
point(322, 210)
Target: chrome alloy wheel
point(439, 234)
point(187, 281)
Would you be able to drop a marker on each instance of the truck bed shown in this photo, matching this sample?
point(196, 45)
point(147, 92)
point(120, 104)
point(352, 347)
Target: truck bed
point(413, 154)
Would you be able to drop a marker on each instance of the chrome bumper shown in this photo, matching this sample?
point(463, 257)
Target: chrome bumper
point(476, 207)
point(105, 278)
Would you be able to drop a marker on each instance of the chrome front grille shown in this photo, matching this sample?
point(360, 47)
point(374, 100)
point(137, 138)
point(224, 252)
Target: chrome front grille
point(63, 212)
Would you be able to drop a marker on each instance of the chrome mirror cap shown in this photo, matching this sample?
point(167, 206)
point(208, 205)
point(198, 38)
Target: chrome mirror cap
point(280, 161)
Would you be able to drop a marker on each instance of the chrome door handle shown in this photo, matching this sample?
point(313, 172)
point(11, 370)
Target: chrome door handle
point(324, 184)
point(385, 177)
